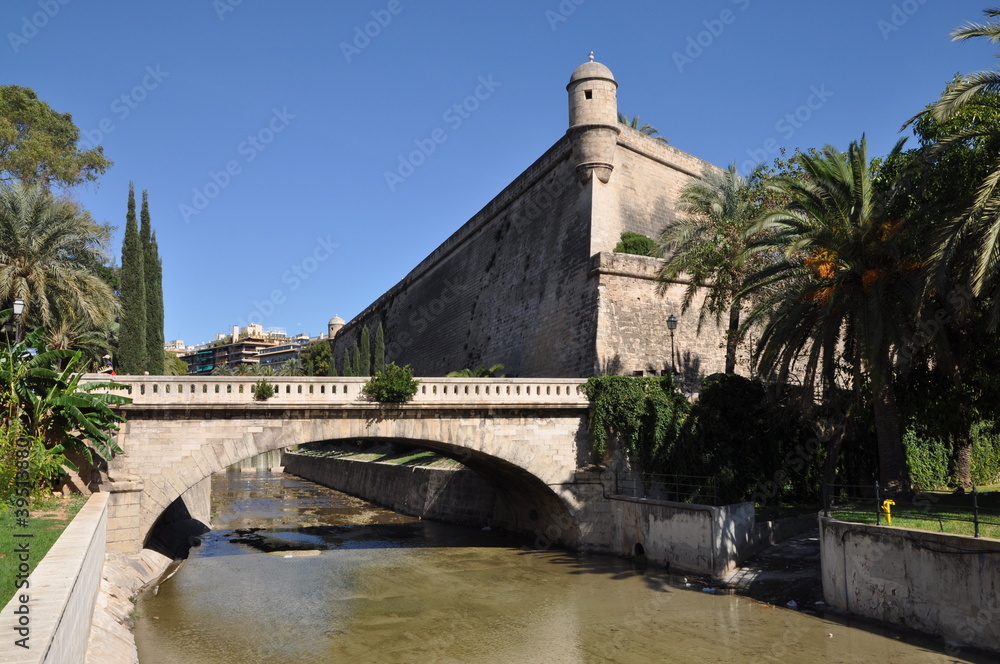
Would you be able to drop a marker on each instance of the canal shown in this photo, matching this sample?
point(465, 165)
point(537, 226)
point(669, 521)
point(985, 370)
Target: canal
point(297, 573)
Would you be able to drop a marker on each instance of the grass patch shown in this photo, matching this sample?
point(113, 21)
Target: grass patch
point(383, 451)
point(47, 521)
point(934, 511)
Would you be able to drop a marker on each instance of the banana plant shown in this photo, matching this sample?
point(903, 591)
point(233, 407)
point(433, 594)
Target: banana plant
point(50, 404)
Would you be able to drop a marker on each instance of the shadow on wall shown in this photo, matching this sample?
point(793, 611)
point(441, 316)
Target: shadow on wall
point(689, 373)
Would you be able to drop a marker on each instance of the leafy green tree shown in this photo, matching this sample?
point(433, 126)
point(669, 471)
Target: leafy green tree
point(49, 251)
point(636, 244)
point(378, 355)
point(706, 246)
point(153, 277)
point(843, 289)
point(644, 128)
point(39, 146)
point(365, 353)
point(131, 356)
point(317, 359)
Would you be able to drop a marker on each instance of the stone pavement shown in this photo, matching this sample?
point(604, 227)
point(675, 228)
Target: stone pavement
point(788, 571)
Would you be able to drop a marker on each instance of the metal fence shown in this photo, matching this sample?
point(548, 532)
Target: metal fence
point(694, 489)
point(867, 503)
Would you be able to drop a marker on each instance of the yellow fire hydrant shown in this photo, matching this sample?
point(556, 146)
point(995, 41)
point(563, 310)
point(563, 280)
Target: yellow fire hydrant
point(887, 507)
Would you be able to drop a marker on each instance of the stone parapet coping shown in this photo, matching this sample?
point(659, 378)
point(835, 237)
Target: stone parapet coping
point(60, 594)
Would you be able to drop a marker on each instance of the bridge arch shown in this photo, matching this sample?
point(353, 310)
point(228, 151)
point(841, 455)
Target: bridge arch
point(529, 453)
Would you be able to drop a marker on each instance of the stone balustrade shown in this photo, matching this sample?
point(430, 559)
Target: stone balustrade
point(325, 391)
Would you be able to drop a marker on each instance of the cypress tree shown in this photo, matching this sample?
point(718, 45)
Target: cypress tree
point(154, 291)
point(131, 356)
point(365, 368)
point(378, 359)
point(356, 359)
point(348, 371)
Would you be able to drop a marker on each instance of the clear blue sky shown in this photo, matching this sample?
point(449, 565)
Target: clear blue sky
point(304, 225)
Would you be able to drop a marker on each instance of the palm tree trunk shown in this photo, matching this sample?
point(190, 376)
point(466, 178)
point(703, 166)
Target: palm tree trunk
point(893, 471)
point(732, 337)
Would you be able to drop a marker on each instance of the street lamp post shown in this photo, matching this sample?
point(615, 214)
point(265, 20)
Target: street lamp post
point(672, 325)
point(18, 310)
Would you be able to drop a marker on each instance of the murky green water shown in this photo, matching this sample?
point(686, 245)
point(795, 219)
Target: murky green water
point(387, 588)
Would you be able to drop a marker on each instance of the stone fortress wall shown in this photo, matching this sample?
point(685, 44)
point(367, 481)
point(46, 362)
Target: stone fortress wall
point(531, 281)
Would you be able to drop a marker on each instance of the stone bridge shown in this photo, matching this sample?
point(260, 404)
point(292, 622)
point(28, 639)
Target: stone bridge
point(527, 436)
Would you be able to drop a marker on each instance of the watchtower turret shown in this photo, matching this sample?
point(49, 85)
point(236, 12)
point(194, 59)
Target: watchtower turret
point(593, 119)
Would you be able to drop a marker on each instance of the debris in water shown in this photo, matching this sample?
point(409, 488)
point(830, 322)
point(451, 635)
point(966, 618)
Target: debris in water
point(708, 590)
point(791, 604)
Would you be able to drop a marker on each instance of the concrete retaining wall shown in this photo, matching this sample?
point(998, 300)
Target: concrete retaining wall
point(696, 538)
point(455, 496)
point(947, 585)
point(61, 593)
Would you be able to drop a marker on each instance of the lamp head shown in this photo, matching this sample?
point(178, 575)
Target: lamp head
point(18, 307)
point(671, 322)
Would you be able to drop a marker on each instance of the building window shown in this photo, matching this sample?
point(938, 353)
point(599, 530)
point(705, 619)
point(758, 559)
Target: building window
point(589, 94)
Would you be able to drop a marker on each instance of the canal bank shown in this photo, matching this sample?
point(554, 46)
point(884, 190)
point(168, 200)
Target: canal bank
point(382, 587)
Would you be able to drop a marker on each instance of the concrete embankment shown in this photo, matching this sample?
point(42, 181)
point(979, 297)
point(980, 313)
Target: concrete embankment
point(111, 639)
point(76, 605)
point(456, 496)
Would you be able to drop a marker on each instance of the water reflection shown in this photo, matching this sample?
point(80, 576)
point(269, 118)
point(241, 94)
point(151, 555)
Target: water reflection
point(389, 588)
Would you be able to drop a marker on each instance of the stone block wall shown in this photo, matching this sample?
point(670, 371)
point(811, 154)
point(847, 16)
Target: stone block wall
point(632, 333)
point(510, 286)
point(529, 281)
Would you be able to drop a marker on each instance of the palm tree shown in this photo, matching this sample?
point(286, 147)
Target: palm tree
point(968, 246)
point(842, 289)
point(646, 128)
point(478, 372)
point(707, 247)
point(48, 250)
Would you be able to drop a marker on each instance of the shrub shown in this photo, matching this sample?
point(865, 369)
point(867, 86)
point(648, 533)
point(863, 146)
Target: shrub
point(394, 384)
point(644, 415)
point(985, 453)
point(262, 390)
point(636, 243)
point(747, 441)
point(928, 458)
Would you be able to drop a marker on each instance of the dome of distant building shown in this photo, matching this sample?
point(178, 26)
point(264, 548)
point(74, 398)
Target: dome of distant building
point(335, 325)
